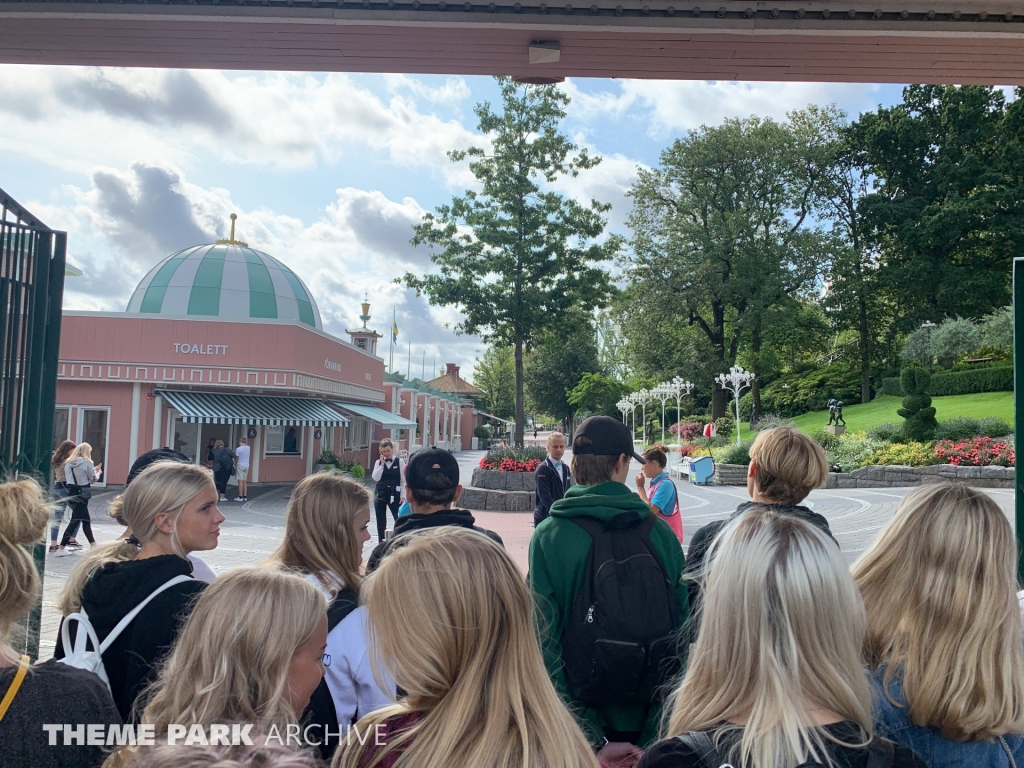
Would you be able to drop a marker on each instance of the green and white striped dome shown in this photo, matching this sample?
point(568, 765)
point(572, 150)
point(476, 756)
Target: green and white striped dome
point(225, 280)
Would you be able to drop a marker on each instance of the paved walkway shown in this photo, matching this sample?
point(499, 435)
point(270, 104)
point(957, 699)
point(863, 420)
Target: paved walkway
point(253, 530)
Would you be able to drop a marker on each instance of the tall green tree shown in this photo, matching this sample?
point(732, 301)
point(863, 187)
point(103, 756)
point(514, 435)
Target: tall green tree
point(721, 232)
point(514, 255)
point(558, 361)
point(945, 211)
point(598, 394)
point(495, 375)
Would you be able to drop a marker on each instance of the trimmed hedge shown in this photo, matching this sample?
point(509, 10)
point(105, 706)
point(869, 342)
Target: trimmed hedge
point(960, 383)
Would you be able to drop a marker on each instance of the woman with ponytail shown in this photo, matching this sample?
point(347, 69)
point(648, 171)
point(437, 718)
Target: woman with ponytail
point(50, 692)
point(171, 509)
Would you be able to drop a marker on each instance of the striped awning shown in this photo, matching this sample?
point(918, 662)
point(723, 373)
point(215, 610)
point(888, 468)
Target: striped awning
point(214, 408)
point(384, 418)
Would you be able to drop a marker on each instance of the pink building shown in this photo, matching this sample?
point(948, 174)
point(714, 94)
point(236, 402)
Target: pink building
point(222, 341)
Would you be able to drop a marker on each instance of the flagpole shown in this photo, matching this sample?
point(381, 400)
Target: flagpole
point(394, 321)
point(423, 367)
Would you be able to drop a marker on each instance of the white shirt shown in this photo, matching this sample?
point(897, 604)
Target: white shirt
point(201, 570)
point(347, 667)
point(378, 470)
point(242, 454)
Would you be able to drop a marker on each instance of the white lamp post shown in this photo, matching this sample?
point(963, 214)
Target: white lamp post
point(625, 407)
point(643, 397)
point(663, 393)
point(678, 387)
point(736, 380)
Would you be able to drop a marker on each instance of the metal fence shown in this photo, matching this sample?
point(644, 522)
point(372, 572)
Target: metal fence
point(32, 263)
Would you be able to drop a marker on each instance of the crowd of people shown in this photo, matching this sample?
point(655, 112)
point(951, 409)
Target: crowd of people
point(760, 648)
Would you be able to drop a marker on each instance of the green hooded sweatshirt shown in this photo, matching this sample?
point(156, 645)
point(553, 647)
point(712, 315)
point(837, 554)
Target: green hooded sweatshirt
point(558, 562)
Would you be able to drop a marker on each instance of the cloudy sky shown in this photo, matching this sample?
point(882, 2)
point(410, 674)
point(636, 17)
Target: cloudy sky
point(326, 172)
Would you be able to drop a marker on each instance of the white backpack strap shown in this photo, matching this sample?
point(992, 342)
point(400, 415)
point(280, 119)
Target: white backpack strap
point(128, 617)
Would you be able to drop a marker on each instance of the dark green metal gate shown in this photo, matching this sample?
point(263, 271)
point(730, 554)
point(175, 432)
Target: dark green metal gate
point(32, 262)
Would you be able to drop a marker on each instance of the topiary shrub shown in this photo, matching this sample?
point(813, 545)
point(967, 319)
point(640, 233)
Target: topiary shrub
point(993, 426)
point(917, 411)
point(886, 432)
point(960, 428)
point(724, 426)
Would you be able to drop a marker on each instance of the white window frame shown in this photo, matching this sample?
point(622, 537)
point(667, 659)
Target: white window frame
point(80, 429)
point(299, 440)
point(352, 445)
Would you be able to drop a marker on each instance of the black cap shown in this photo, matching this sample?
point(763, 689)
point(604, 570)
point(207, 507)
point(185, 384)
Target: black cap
point(608, 437)
point(431, 461)
point(151, 457)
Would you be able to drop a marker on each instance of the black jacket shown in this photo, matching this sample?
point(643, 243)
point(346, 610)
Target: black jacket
point(111, 593)
point(223, 459)
point(551, 486)
point(702, 539)
point(462, 518)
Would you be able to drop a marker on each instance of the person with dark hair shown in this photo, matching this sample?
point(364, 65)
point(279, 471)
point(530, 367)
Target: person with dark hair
point(60, 492)
point(223, 464)
point(663, 497)
point(431, 488)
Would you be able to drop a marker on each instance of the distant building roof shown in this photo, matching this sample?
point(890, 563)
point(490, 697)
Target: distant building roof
point(450, 381)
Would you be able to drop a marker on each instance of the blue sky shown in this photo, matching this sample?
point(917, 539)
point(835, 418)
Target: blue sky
point(326, 172)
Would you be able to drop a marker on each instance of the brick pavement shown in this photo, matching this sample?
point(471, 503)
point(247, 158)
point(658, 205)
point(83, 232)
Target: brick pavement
point(253, 530)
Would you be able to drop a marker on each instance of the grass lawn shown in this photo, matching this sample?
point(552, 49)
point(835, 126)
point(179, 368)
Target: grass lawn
point(883, 409)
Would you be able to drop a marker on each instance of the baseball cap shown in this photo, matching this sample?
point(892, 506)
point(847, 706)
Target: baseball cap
point(608, 437)
point(431, 461)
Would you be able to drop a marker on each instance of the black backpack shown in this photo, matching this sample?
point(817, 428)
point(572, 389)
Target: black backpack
point(880, 752)
point(620, 644)
point(320, 711)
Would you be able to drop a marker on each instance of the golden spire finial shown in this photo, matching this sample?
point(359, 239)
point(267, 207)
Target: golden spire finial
point(231, 240)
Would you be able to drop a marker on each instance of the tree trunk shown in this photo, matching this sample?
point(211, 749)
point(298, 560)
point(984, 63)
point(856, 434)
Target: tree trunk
point(517, 438)
point(755, 384)
point(865, 350)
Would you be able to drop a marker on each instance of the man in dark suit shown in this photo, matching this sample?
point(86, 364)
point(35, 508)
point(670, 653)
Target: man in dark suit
point(553, 478)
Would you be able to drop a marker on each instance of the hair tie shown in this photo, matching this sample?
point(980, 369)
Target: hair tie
point(133, 541)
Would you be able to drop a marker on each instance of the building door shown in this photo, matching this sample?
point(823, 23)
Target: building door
point(61, 425)
point(94, 428)
point(225, 432)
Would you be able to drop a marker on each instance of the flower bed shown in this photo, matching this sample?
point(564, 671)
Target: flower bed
point(513, 460)
point(976, 452)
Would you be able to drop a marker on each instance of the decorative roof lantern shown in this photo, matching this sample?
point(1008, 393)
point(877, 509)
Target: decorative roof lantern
point(364, 338)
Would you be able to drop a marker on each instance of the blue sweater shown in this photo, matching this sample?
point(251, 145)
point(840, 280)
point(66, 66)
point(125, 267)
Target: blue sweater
point(935, 749)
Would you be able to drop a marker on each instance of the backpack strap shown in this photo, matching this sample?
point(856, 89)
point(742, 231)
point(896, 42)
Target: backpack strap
point(128, 617)
point(703, 746)
point(341, 606)
point(881, 753)
point(12, 691)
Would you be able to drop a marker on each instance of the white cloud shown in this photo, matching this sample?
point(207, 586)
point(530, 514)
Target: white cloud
point(76, 118)
point(683, 105)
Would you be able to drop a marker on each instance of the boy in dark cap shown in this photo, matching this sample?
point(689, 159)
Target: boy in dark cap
point(606, 575)
point(431, 487)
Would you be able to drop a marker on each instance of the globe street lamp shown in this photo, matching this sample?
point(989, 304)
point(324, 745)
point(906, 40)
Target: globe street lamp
point(736, 380)
point(677, 387)
point(643, 397)
point(625, 407)
point(928, 325)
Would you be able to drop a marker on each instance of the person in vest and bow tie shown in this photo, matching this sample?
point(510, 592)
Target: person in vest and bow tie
point(389, 472)
point(553, 478)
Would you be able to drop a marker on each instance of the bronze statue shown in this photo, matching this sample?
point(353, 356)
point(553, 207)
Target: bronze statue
point(835, 413)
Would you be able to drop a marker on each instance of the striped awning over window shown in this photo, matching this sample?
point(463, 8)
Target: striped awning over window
point(384, 418)
point(214, 408)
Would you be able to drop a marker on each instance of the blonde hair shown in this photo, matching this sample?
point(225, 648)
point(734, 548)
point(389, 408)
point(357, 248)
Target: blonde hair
point(939, 584)
point(320, 536)
point(452, 622)
point(24, 512)
point(230, 663)
point(259, 754)
point(554, 436)
point(789, 464)
point(163, 486)
point(794, 647)
point(82, 451)
point(218, 444)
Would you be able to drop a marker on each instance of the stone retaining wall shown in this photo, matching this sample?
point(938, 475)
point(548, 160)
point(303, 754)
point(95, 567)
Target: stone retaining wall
point(898, 475)
point(495, 491)
point(891, 476)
